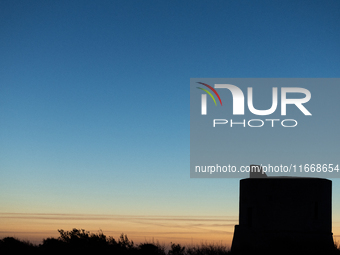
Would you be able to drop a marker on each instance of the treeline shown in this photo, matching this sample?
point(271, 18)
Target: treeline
point(79, 241)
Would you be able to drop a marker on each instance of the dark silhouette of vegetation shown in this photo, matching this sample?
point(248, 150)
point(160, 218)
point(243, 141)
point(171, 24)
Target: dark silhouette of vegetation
point(177, 249)
point(11, 245)
point(79, 241)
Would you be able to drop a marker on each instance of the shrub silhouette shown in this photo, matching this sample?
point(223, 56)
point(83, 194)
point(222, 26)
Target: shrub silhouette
point(150, 249)
point(176, 249)
point(79, 241)
point(11, 245)
point(208, 249)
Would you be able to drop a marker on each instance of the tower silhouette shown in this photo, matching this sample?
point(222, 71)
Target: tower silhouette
point(284, 215)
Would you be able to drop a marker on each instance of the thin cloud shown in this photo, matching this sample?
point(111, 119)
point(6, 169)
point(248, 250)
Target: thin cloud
point(182, 225)
point(49, 216)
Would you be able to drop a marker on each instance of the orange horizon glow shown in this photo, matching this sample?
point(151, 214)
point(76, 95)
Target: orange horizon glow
point(185, 230)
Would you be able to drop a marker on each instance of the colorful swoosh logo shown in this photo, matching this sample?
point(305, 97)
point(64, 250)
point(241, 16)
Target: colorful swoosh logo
point(208, 92)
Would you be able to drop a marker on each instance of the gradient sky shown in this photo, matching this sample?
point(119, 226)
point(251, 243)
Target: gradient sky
point(94, 108)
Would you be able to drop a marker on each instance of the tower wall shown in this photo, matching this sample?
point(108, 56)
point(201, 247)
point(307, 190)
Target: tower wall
point(290, 212)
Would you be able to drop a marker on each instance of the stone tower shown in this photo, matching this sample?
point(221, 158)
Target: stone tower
point(284, 215)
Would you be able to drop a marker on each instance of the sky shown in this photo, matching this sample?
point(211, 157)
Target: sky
point(95, 108)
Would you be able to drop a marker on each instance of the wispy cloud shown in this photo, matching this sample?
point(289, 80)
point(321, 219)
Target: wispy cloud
point(49, 216)
point(154, 225)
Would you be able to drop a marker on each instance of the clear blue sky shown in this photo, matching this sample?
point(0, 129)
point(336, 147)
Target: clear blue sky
point(94, 95)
